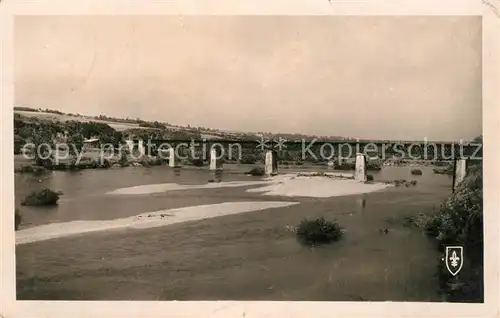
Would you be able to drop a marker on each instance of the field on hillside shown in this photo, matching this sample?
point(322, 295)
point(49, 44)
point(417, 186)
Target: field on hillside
point(63, 118)
point(114, 125)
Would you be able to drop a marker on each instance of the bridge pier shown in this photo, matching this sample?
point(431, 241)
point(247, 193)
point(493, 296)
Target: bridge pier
point(142, 150)
point(171, 160)
point(215, 163)
point(459, 172)
point(130, 144)
point(330, 164)
point(360, 170)
point(271, 163)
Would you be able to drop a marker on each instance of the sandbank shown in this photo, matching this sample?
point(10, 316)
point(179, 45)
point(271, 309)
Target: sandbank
point(301, 184)
point(144, 220)
point(165, 187)
point(328, 185)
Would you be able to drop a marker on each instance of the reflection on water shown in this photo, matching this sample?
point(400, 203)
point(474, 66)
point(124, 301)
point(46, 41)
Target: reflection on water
point(361, 202)
point(177, 171)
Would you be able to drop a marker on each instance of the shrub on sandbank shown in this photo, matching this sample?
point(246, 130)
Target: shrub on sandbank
point(41, 198)
point(256, 172)
point(318, 232)
point(416, 171)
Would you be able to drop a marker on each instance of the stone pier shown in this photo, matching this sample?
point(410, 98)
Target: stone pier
point(130, 144)
point(460, 172)
point(171, 160)
point(360, 170)
point(215, 162)
point(271, 163)
point(142, 149)
point(331, 164)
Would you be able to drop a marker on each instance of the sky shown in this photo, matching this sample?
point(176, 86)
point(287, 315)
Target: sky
point(400, 78)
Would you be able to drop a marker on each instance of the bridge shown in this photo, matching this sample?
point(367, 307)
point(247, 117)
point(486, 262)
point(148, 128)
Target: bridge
point(461, 153)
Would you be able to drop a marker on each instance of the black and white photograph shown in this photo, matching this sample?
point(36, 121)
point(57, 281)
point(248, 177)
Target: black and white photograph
point(297, 158)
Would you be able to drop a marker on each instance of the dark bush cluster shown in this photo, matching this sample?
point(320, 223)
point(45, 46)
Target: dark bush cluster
point(460, 222)
point(318, 231)
point(370, 166)
point(256, 172)
point(43, 197)
point(403, 182)
point(446, 170)
point(31, 169)
point(199, 162)
point(249, 159)
point(416, 171)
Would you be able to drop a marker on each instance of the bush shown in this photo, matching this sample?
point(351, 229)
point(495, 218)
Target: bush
point(105, 164)
point(447, 170)
point(346, 166)
point(196, 162)
point(460, 222)
point(420, 220)
point(43, 197)
point(123, 161)
point(369, 177)
point(373, 166)
point(248, 159)
point(17, 220)
point(31, 169)
point(256, 172)
point(60, 167)
point(157, 161)
point(403, 182)
point(416, 171)
point(18, 144)
point(318, 231)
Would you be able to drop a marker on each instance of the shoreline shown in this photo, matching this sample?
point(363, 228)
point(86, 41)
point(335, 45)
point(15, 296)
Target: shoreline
point(299, 184)
point(144, 220)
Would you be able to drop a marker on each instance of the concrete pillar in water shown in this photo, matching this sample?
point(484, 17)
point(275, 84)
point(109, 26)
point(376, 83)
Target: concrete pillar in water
point(271, 165)
point(330, 164)
point(130, 144)
point(460, 172)
point(142, 150)
point(360, 171)
point(215, 162)
point(171, 160)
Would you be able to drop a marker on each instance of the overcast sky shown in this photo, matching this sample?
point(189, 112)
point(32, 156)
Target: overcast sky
point(377, 77)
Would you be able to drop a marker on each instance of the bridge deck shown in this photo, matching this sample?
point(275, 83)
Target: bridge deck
point(426, 150)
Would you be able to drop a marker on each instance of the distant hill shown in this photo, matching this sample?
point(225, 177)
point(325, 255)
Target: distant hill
point(124, 124)
point(130, 124)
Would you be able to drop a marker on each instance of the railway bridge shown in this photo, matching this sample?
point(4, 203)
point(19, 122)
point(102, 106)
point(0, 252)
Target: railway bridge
point(460, 153)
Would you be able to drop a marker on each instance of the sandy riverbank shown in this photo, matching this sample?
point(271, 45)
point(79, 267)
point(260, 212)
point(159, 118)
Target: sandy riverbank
point(329, 185)
point(288, 185)
point(165, 187)
point(144, 220)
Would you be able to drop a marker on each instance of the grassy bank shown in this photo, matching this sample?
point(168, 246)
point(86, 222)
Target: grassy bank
point(459, 222)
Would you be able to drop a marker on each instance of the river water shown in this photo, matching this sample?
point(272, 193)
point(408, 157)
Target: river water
point(248, 256)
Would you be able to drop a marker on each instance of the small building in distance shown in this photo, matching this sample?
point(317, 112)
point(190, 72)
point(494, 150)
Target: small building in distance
point(91, 143)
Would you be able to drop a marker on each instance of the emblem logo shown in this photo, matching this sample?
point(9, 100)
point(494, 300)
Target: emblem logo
point(454, 259)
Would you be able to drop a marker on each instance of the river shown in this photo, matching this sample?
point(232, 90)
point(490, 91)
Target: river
point(248, 256)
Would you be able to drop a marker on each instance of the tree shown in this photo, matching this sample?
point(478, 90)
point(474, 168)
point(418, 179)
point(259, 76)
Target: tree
point(42, 140)
point(75, 142)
